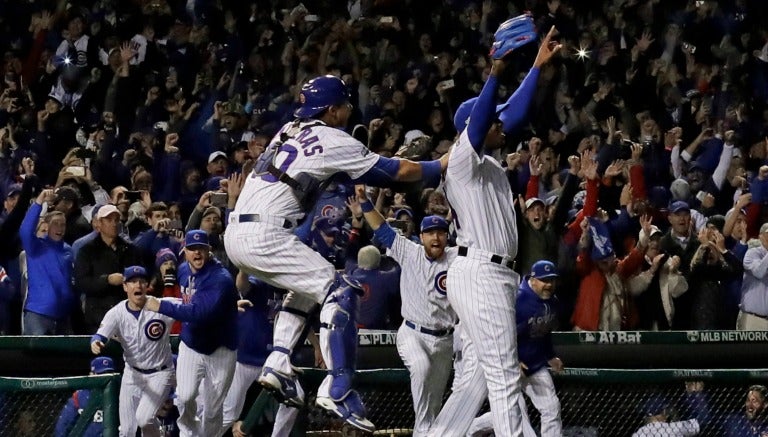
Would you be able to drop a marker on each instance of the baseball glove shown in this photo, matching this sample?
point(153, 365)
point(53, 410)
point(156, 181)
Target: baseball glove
point(512, 34)
point(418, 148)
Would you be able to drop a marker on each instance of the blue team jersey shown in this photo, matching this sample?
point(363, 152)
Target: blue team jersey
point(536, 319)
point(209, 309)
point(381, 287)
point(71, 412)
point(254, 324)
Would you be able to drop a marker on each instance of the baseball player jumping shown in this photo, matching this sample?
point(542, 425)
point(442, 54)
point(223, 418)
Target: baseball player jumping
point(425, 339)
point(208, 335)
point(483, 204)
point(300, 161)
point(144, 336)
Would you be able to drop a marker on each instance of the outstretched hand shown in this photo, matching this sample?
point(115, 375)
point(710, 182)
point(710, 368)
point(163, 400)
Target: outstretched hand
point(548, 48)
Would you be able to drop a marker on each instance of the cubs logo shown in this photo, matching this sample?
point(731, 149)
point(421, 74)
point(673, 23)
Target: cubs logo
point(154, 329)
point(440, 283)
point(328, 211)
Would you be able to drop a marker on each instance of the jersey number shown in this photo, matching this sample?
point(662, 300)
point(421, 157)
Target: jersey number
point(308, 145)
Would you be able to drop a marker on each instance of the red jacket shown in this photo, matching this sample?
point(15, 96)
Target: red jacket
point(586, 313)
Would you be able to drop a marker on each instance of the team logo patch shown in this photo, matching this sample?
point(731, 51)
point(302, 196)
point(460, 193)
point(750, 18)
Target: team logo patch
point(328, 211)
point(440, 283)
point(154, 329)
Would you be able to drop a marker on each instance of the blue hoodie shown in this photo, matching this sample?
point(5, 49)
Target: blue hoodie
point(49, 266)
point(536, 319)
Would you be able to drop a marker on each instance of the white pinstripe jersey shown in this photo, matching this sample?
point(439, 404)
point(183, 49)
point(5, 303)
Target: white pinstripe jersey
point(482, 200)
point(145, 340)
point(319, 151)
point(422, 284)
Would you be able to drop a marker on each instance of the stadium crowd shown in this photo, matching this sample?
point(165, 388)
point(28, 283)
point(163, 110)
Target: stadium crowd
point(641, 172)
point(146, 116)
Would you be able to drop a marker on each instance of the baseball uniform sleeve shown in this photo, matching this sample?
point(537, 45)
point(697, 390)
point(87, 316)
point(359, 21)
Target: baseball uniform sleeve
point(463, 163)
point(203, 304)
point(403, 250)
point(345, 154)
point(109, 324)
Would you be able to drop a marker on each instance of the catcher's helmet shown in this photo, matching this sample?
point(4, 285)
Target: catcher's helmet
point(320, 93)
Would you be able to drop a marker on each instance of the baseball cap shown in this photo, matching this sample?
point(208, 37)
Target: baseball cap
point(101, 365)
point(461, 118)
point(13, 190)
point(211, 210)
point(164, 255)
point(405, 211)
point(106, 210)
point(196, 238)
point(433, 222)
point(216, 155)
point(543, 270)
point(679, 206)
point(412, 135)
point(134, 272)
point(530, 202)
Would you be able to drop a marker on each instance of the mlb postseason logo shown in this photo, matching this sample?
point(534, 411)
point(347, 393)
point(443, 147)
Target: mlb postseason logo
point(377, 338)
point(610, 337)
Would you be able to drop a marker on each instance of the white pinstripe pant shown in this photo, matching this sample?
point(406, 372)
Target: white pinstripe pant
point(140, 397)
point(483, 295)
point(245, 375)
point(541, 389)
point(428, 359)
point(279, 258)
point(216, 371)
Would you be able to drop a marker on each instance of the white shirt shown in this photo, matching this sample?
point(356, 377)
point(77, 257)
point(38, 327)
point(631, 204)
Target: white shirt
point(422, 284)
point(319, 151)
point(145, 339)
point(671, 429)
point(482, 200)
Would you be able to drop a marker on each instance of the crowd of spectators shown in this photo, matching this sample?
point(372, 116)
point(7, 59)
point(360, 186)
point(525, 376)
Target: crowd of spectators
point(642, 170)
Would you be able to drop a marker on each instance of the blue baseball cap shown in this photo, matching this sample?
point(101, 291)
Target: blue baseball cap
point(196, 238)
point(543, 270)
point(134, 272)
point(101, 365)
point(679, 206)
point(461, 118)
point(431, 222)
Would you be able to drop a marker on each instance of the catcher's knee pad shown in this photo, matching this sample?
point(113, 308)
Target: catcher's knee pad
point(342, 336)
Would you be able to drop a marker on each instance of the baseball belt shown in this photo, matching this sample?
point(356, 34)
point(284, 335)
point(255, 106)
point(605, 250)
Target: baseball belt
point(433, 332)
point(149, 371)
point(496, 259)
point(261, 218)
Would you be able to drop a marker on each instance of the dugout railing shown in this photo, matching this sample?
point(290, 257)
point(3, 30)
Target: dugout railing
point(597, 398)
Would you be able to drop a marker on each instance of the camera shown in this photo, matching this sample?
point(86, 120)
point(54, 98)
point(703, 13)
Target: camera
point(84, 153)
point(219, 200)
point(133, 196)
point(169, 278)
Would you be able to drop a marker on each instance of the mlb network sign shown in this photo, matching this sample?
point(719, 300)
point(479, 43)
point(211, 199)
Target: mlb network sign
point(727, 336)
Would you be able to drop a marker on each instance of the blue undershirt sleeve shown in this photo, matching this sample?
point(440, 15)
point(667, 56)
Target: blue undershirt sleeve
point(516, 109)
point(483, 114)
point(386, 235)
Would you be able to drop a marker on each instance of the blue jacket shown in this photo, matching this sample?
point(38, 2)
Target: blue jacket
point(209, 311)
point(71, 412)
point(254, 325)
point(380, 302)
point(536, 319)
point(50, 266)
